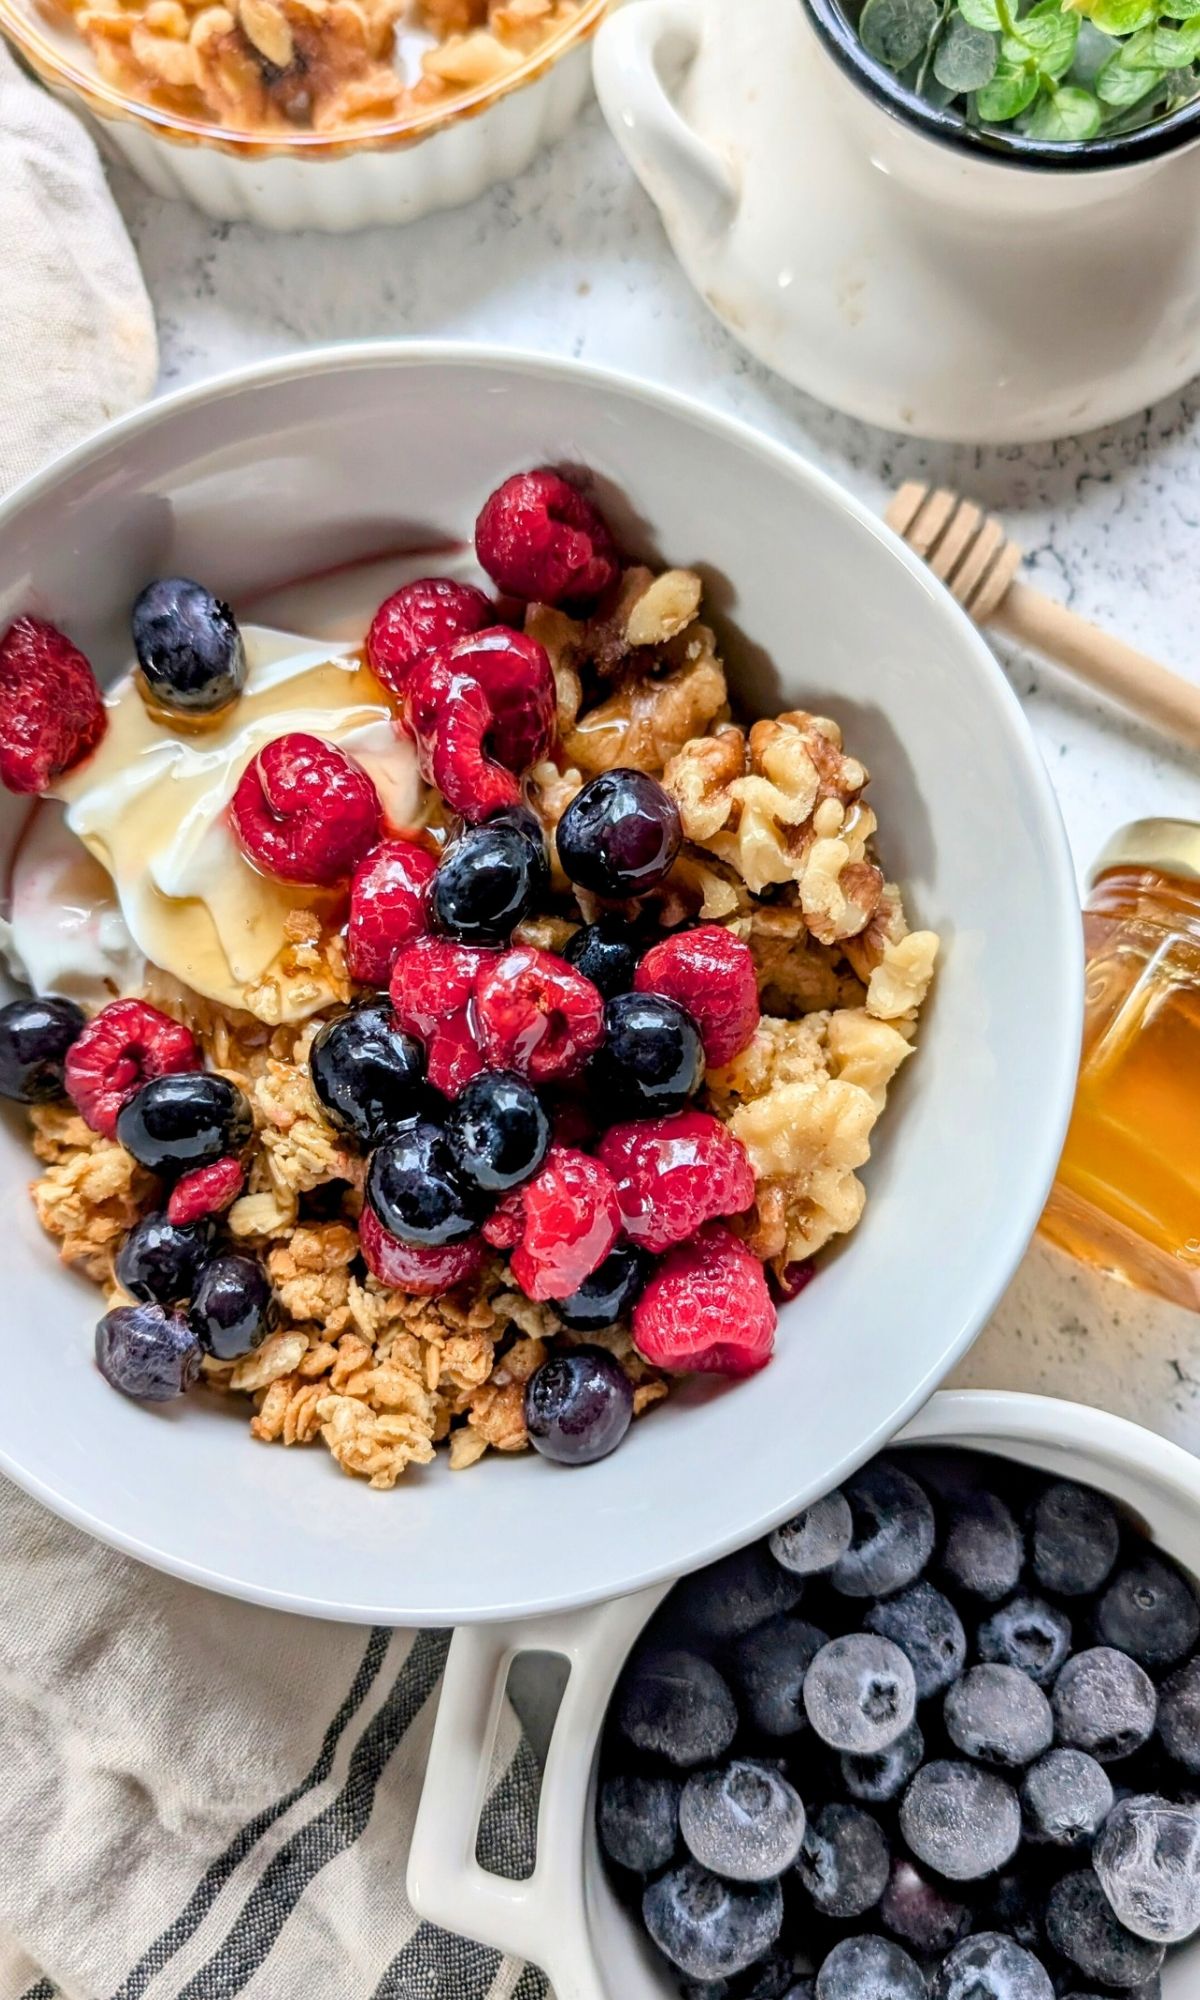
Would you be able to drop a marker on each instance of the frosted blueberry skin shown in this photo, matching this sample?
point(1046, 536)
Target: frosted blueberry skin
point(1082, 1925)
point(876, 1780)
point(675, 1705)
point(817, 1538)
point(893, 1532)
point(1179, 1716)
point(638, 1819)
point(709, 1928)
point(744, 1821)
point(870, 1965)
point(860, 1694)
point(989, 1964)
point(1150, 1612)
point(735, 1594)
point(1074, 1539)
point(1147, 1861)
point(1065, 1798)
point(35, 1039)
point(924, 1624)
point(149, 1354)
point(1027, 1633)
point(984, 1551)
point(997, 1715)
point(188, 645)
point(1104, 1703)
point(768, 1666)
point(960, 1820)
point(844, 1862)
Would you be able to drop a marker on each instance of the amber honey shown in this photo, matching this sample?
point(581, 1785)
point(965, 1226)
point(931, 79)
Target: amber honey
point(1127, 1195)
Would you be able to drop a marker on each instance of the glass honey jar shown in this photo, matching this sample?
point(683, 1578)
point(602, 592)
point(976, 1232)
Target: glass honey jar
point(1127, 1194)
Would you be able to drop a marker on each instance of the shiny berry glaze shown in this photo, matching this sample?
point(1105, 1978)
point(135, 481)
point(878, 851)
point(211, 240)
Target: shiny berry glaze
point(123, 1046)
point(620, 834)
point(433, 978)
point(303, 811)
point(707, 1308)
point(188, 646)
point(572, 1221)
point(534, 1013)
point(206, 1191)
point(175, 1123)
point(411, 1267)
point(417, 618)
point(52, 713)
point(578, 1406)
point(711, 973)
point(36, 1037)
point(387, 907)
point(481, 710)
point(674, 1174)
point(539, 538)
point(415, 1188)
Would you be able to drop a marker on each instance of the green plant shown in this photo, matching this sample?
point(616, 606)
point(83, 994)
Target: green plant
point(1054, 69)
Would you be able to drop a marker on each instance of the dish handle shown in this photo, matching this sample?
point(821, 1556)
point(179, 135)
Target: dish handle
point(543, 1917)
point(685, 177)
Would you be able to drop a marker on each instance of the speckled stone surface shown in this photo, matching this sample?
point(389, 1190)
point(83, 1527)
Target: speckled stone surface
point(571, 260)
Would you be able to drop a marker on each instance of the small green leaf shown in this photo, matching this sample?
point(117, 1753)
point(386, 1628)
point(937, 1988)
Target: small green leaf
point(896, 32)
point(1122, 83)
point(1176, 10)
point(1064, 114)
point(982, 14)
point(1175, 48)
point(1048, 33)
point(1121, 17)
point(1011, 91)
point(966, 56)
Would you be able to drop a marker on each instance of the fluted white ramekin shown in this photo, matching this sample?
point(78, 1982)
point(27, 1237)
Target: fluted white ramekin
point(438, 158)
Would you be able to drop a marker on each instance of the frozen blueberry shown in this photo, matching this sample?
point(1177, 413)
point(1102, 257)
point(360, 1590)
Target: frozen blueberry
point(1148, 1862)
point(1179, 1716)
point(962, 1821)
point(925, 1625)
point(675, 1705)
point(767, 1667)
point(860, 1694)
point(1000, 1716)
point(711, 1929)
point(893, 1532)
point(1082, 1924)
point(188, 645)
point(919, 1913)
point(815, 1539)
point(984, 1550)
point(744, 1821)
point(638, 1820)
point(844, 1862)
point(991, 1967)
point(162, 1260)
point(1066, 1797)
point(870, 1968)
point(1027, 1633)
point(735, 1594)
point(875, 1780)
point(1104, 1703)
point(1015, 1904)
point(35, 1038)
point(147, 1353)
point(1074, 1539)
point(1150, 1612)
point(607, 953)
point(773, 1978)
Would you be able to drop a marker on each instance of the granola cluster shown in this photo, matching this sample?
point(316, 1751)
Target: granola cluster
point(274, 66)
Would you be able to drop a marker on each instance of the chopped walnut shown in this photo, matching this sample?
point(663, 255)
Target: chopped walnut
point(644, 723)
point(901, 980)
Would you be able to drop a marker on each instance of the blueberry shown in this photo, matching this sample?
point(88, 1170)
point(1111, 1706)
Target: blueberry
point(1082, 1925)
point(893, 1532)
point(188, 646)
point(914, 1909)
point(35, 1038)
point(676, 1705)
point(578, 1406)
point(1074, 1539)
point(961, 1821)
point(860, 1694)
point(147, 1352)
point(161, 1260)
point(1179, 1716)
point(990, 1967)
point(620, 835)
point(999, 1716)
point(774, 1978)
point(925, 1625)
point(1150, 1612)
point(711, 1929)
point(638, 1821)
point(415, 1188)
point(877, 1779)
point(1066, 1797)
point(607, 953)
point(844, 1862)
point(498, 1130)
point(1015, 1904)
point(366, 1072)
point(1147, 1860)
point(182, 1121)
point(814, 1540)
point(767, 1667)
point(487, 880)
point(984, 1551)
point(735, 1594)
point(232, 1306)
point(531, 830)
point(744, 1821)
point(612, 1290)
point(1104, 1703)
point(652, 1060)
point(1027, 1633)
point(870, 1968)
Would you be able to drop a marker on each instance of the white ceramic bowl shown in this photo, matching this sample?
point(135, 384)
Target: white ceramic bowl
point(286, 469)
point(565, 1917)
point(436, 158)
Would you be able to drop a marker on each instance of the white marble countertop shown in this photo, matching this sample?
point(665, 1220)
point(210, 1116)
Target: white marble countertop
point(571, 259)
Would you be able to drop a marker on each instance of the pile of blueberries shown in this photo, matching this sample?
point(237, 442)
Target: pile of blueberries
point(937, 1739)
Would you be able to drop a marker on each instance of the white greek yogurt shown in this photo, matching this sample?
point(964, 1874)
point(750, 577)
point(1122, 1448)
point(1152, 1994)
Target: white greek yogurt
point(66, 934)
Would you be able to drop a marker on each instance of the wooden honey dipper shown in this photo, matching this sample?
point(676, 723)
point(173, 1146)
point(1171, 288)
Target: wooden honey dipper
point(970, 553)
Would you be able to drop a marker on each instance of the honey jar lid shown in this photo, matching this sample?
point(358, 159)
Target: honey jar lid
point(1171, 846)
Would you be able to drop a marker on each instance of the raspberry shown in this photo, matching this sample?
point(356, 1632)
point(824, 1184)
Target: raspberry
point(51, 711)
point(304, 811)
point(432, 980)
point(505, 1225)
point(416, 618)
point(206, 1191)
point(387, 907)
point(124, 1045)
point(711, 973)
point(453, 1057)
point(571, 1223)
point(673, 1174)
point(411, 1267)
point(481, 710)
point(707, 1308)
point(539, 538)
point(536, 1014)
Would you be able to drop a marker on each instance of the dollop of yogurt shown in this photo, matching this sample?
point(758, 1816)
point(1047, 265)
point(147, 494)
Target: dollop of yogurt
point(65, 934)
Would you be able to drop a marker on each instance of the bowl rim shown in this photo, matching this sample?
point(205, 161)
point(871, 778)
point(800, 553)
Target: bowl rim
point(104, 101)
point(1007, 1244)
